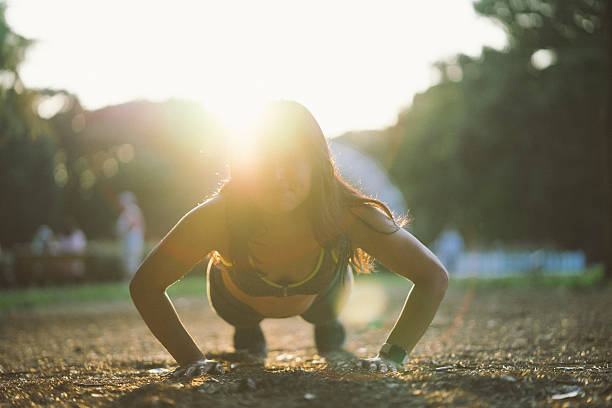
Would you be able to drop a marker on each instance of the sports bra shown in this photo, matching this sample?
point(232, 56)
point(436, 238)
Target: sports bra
point(330, 266)
point(255, 283)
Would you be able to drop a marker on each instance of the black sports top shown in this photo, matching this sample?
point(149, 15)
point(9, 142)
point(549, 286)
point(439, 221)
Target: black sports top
point(254, 282)
point(331, 265)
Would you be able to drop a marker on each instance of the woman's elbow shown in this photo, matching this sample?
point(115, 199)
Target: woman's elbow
point(136, 289)
point(141, 287)
point(436, 282)
point(444, 278)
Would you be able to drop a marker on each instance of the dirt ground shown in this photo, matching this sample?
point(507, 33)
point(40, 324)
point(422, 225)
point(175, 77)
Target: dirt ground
point(486, 347)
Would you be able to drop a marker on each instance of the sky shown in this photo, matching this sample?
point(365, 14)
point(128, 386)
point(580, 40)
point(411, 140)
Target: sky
point(353, 64)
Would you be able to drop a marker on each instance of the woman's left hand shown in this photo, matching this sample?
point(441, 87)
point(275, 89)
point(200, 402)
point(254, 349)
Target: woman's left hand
point(198, 368)
point(379, 365)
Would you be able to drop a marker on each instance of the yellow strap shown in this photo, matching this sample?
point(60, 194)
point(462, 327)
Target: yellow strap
point(224, 262)
point(334, 255)
point(252, 262)
point(309, 277)
point(291, 285)
point(313, 273)
point(269, 282)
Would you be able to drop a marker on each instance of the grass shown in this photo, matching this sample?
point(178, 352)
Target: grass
point(30, 298)
point(194, 284)
point(589, 278)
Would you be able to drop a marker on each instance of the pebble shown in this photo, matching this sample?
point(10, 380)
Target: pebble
point(308, 396)
point(157, 370)
point(564, 396)
point(443, 368)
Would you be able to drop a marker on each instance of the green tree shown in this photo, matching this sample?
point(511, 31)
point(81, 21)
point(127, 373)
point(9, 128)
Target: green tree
point(26, 151)
point(507, 145)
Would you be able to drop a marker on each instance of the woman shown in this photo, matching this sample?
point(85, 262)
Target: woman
point(282, 235)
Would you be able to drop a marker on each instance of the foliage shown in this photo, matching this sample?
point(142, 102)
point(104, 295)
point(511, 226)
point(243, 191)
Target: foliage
point(506, 147)
point(74, 163)
point(26, 151)
point(169, 154)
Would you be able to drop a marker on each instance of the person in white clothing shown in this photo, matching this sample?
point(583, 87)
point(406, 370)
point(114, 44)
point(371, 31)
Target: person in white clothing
point(130, 230)
point(448, 247)
point(72, 241)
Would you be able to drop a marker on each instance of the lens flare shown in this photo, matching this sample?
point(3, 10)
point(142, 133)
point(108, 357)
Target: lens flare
point(366, 304)
point(241, 122)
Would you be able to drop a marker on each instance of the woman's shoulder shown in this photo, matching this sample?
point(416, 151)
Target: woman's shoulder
point(212, 207)
point(209, 217)
point(371, 215)
point(361, 220)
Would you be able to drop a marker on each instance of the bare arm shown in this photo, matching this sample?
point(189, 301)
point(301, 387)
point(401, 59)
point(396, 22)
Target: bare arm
point(403, 254)
point(160, 316)
point(196, 234)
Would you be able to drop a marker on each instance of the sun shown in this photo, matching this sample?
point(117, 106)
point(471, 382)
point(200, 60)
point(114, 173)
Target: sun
point(240, 119)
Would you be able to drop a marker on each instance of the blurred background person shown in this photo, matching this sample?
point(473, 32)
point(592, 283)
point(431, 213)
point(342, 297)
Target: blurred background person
point(44, 241)
point(72, 241)
point(44, 244)
point(130, 230)
point(448, 247)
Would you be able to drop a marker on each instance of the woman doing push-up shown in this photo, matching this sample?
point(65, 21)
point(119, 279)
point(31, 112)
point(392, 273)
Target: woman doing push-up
point(284, 235)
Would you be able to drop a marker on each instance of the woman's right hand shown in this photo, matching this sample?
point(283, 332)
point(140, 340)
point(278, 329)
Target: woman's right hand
point(197, 368)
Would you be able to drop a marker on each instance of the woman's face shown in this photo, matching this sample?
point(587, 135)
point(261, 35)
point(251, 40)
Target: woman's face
point(283, 180)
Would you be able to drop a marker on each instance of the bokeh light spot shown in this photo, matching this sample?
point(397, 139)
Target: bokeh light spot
point(366, 304)
point(110, 167)
point(542, 59)
point(88, 179)
point(50, 106)
point(60, 174)
point(125, 153)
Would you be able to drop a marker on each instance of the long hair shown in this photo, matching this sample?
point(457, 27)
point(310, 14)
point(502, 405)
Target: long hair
point(329, 199)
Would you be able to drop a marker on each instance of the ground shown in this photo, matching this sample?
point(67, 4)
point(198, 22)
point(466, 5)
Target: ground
point(487, 346)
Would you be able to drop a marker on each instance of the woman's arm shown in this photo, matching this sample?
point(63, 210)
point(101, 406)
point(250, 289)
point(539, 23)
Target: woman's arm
point(403, 254)
point(201, 230)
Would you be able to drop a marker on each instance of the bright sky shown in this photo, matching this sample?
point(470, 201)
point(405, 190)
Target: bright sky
point(354, 64)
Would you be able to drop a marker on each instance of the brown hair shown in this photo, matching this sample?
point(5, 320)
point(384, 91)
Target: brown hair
point(329, 198)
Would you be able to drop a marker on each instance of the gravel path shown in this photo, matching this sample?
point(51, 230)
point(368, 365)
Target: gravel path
point(486, 347)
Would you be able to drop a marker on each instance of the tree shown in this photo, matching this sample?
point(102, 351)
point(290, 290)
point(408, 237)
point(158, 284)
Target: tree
point(26, 151)
point(507, 145)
